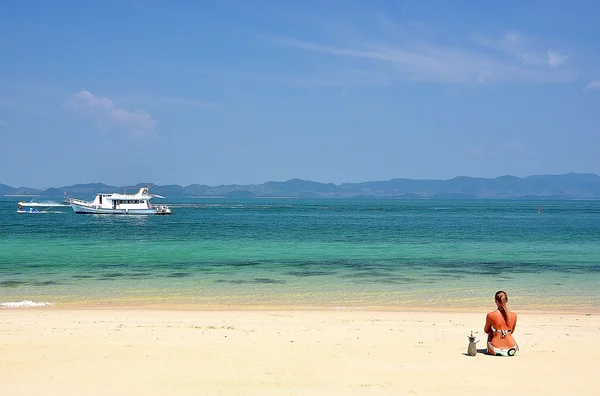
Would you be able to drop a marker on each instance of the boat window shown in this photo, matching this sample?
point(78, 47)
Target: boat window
point(100, 199)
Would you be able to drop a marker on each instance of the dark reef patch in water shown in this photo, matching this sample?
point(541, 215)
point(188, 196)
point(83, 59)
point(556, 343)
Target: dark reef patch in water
point(33, 265)
point(463, 272)
point(113, 265)
point(308, 273)
point(494, 268)
point(445, 276)
point(361, 266)
point(268, 280)
point(114, 275)
point(246, 264)
point(82, 276)
point(11, 283)
point(591, 268)
point(12, 272)
point(393, 280)
point(186, 265)
point(46, 283)
point(178, 275)
point(577, 269)
point(367, 274)
point(490, 272)
point(137, 275)
point(255, 280)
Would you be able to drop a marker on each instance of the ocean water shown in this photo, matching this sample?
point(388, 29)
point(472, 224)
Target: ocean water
point(308, 253)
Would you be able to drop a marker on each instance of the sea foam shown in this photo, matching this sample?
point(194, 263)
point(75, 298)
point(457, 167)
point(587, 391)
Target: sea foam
point(24, 303)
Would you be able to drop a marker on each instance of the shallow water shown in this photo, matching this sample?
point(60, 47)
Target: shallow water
point(308, 253)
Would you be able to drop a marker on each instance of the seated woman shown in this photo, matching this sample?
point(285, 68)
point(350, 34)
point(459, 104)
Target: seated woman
point(500, 327)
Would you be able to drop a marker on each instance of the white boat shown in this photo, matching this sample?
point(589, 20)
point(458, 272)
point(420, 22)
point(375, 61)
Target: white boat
point(123, 204)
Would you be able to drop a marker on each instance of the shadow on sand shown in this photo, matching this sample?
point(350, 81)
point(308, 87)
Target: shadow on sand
point(480, 351)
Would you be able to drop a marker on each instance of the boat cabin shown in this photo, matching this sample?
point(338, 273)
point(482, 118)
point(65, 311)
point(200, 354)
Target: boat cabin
point(140, 200)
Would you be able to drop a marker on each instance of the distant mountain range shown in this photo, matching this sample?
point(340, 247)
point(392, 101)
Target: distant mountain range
point(568, 186)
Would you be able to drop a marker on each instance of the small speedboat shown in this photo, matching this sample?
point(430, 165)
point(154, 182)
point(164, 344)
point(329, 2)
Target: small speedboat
point(39, 207)
point(21, 209)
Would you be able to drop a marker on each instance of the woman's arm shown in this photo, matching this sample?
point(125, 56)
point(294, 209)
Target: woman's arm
point(488, 324)
point(488, 328)
point(512, 331)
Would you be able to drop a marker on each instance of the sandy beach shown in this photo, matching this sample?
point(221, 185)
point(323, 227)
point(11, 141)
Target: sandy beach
point(54, 351)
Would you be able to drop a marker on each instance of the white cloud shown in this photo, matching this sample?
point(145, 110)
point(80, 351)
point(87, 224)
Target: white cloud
point(532, 58)
point(555, 58)
point(425, 61)
point(593, 85)
point(551, 58)
point(3, 123)
point(105, 111)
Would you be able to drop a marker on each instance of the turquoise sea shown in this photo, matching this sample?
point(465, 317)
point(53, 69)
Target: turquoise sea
point(308, 253)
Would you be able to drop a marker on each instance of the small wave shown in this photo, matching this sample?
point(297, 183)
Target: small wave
point(24, 303)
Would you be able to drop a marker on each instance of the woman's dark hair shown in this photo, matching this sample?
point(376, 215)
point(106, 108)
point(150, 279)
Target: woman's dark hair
point(502, 298)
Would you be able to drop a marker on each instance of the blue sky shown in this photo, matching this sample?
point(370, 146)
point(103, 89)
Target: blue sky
point(223, 92)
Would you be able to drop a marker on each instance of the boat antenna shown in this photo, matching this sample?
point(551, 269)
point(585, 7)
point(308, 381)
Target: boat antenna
point(154, 184)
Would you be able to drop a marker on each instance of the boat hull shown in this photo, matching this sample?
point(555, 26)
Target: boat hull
point(29, 211)
point(82, 209)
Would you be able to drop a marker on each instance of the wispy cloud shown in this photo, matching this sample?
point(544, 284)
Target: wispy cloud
point(105, 111)
point(593, 85)
point(551, 58)
point(509, 58)
point(555, 58)
point(524, 48)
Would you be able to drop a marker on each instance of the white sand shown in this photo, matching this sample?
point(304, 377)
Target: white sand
point(51, 351)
